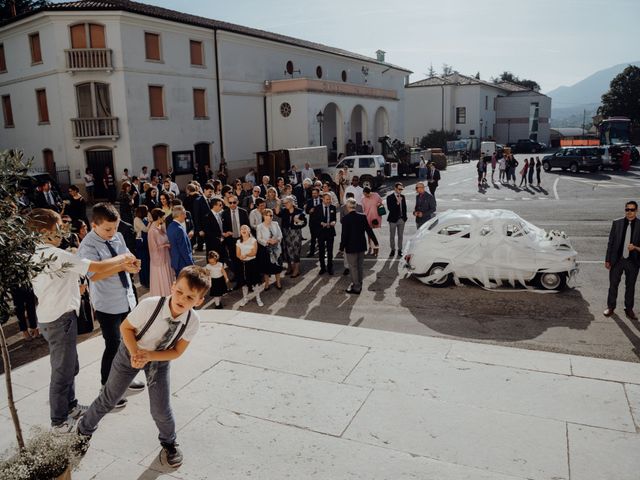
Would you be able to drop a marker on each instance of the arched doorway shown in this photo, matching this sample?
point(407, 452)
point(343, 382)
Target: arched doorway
point(359, 128)
point(97, 159)
point(381, 126)
point(333, 131)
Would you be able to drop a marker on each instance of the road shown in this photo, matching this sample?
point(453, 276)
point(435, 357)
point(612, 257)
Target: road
point(582, 205)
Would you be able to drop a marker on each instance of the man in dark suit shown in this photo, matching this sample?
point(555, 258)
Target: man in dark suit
point(354, 243)
point(314, 221)
point(326, 217)
point(397, 208)
point(213, 228)
point(623, 256)
point(433, 177)
point(425, 205)
point(47, 198)
point(180, 245)
point(201, 208)
point(264, 186)
point(232, 219)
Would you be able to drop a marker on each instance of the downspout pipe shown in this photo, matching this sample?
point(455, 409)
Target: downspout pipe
point(215, 49)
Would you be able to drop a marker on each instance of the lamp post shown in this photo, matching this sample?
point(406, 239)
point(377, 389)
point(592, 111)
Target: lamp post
point(508, 131)
point(320, 119)
point(480, 136)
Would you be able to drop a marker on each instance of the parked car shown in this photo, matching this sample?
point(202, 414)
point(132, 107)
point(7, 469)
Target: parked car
point(526, 145)
point(490, 247)
point(574, 159)
point(370, 169)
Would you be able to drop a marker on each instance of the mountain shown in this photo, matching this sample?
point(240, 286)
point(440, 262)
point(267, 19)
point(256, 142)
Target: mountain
point(569, 103)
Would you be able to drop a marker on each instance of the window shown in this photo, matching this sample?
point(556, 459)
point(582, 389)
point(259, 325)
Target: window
point(461, 115)
point(6, 110)
point(347, 162)
point(344, 75)
point(450, 230)
point(87, 35)
point(319, 71)
point(516, 230)
point(94, 100)
point(472, 132)
point(152, 46)
point(43, 110)
point(199, 103)
point(36, 53)
point(366, 162)
point(458, 133)
point(156, 103)
point(486, 102)
point(197, 55)
point(486, 230)
point(3, 62)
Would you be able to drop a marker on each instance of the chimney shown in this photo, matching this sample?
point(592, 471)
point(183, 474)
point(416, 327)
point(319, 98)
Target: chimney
point(380, 55)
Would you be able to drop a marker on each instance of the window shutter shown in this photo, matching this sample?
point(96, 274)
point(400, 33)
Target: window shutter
point(152, 46)
point(196, 52)
point(36, 53)
point(155, 101)
point(3, 62)
point(96, 35)
point(160, 158)
point(43, 109)
point(78, 36)
point(199, 107)
point(6, 109)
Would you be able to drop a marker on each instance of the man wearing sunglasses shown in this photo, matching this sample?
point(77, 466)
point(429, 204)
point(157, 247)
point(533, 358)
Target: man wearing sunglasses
point(623, 256)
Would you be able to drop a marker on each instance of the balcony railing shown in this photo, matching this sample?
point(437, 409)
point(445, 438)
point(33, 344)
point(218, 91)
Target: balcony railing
point(86, 128)
point(79, 59)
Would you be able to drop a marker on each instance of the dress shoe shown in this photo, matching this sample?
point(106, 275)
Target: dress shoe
point(352, 291)
point(399, 253)
point(630, 314)
point(322, 271)
point(330, 271)
point(608, 312)
point(393, 252)
point(346, 271)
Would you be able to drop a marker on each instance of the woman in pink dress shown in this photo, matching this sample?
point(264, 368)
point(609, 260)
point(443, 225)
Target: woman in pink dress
point(161, 273)
point(370, 202)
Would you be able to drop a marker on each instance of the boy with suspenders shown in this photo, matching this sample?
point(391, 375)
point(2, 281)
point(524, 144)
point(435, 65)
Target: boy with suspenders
point(157, 331)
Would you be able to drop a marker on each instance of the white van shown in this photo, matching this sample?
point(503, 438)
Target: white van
point(487, 149)
point(370, 169)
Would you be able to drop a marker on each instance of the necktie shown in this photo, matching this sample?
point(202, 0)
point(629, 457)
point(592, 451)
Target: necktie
point(234, 223)
point(627, 241)
point(315, 202)
point(123, 276)
point(50, 198)
point(168, 335)
point(219, 221)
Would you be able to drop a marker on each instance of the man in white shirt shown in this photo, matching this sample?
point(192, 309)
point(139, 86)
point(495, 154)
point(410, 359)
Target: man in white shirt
point(356, 189)
point(307, 172)
point(58, 292)
point(144, 176)
point(170, 187)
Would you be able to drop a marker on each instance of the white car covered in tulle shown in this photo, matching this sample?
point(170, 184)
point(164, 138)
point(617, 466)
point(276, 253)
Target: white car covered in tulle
point(491, 248)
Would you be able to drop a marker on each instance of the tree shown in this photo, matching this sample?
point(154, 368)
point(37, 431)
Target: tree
point(17, 244)
point(431, 72)
point(623, 97)
point(446, 69)
point(523, 82)
point(478, 76)
point(437, 139)
point(11, 8)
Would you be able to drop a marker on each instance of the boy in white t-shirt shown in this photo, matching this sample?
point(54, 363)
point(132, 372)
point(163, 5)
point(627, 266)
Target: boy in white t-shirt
point(58, 291)
point(158, 330)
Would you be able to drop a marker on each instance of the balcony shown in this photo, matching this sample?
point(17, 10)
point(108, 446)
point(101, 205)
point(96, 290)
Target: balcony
point(88, 59)
point(329, 87)
point(88, 128)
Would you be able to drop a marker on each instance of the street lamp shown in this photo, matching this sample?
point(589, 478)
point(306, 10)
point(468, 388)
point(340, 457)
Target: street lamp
point(320, 119)
point(508, 131)
point(480, 131)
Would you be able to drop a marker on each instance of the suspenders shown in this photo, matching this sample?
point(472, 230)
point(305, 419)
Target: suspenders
point(152, 319)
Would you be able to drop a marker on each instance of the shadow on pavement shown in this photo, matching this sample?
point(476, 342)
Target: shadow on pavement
point(474, 313)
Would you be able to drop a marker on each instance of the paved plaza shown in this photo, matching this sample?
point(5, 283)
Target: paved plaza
point(266, 397)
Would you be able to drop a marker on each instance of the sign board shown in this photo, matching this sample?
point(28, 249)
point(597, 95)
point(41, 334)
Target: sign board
point(393, 166)
point(458, 145)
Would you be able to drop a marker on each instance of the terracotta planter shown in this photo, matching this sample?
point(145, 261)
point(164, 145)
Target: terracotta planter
point(66, 475)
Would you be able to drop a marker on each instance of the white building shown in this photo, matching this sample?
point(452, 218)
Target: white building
point(476, 109)
point(124, 84)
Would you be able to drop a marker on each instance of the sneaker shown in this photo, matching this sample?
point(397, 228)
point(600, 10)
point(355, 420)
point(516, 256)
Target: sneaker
point(78, 411)
point(259, 302)
point(218, 307)
point(66, 427)
point(243, 302)
point(173, 454)
point(136, 386)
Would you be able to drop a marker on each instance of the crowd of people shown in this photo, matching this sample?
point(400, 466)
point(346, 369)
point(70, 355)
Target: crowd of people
point(507, 167)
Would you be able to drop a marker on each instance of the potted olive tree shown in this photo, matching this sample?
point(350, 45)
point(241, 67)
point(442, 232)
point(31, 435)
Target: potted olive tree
point(44, 455)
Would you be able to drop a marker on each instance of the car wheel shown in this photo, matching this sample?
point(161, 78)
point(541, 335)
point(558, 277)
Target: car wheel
point(444, 280)
point(573, 168)
point(546, 166)
point(551, 280)
point(367, 181)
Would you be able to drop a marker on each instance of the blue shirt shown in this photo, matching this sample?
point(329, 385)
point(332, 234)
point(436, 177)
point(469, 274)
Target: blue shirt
point(107, 295)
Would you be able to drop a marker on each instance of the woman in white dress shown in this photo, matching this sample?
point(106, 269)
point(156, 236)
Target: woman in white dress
point(248, 275)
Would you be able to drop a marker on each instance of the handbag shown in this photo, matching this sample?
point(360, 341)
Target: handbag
point(381, 210)
point(85, 316)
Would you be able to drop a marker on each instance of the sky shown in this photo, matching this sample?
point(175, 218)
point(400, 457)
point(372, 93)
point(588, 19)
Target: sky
point(554, 42)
